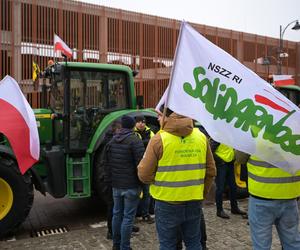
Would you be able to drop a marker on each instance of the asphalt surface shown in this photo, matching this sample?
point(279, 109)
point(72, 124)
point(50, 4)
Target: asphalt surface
point(80, 224)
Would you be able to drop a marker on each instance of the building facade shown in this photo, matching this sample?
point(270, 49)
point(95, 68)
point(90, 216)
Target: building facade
point(100, 34)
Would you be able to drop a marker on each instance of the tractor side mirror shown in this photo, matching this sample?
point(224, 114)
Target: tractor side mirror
point(140, 102)
point(135, 73)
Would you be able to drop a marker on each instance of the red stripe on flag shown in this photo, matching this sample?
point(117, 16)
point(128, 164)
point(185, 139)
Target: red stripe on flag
point(284, 82)
point(14, 127)
point(268, 102)
point(58, 46)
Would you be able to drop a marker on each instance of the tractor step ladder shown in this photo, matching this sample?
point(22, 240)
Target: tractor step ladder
point(78, 176)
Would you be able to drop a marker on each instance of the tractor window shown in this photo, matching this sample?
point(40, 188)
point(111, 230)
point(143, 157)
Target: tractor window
point(57, 96)
point(92, 95)
point(116, 90)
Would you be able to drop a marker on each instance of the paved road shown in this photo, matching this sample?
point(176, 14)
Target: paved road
point(86, 228)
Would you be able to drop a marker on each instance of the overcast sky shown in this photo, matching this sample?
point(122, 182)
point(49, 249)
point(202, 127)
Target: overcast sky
point(261, 17)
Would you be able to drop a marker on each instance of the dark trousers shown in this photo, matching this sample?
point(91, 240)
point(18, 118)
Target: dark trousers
point(108, 199)
point(202, 232)
point(225, 175)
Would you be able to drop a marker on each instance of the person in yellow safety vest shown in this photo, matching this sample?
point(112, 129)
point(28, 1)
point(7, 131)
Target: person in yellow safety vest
point(224, 157)
point(273, 201)
point(179, 165)
point(142, 130)
point(145, 134)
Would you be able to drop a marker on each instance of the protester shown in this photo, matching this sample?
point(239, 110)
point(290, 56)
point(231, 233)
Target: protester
point(273, 201)
point(179, 165)
point(124, 152)
point(202, 219)
point(145, 133)
point(142, 130)
point(224, 157)
point(107, 190)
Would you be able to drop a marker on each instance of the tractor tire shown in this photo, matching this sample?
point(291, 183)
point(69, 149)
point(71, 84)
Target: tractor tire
point(16, 196)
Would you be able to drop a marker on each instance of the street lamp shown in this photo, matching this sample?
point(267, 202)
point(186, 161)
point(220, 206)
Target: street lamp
point(280, 51)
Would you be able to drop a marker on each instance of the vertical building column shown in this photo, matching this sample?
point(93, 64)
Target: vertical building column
point(103, 37)
point(16, 41)
point(240, 48)
point(80, 33)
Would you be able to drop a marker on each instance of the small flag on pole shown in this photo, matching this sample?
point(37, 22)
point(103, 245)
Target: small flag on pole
point(35, 71)
point(283, 80)
point(60, 45)
point(35, 74)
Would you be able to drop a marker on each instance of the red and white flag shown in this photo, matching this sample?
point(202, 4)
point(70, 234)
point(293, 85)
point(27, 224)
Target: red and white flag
point(283, 80)
point(18, 124)
point(60, 45)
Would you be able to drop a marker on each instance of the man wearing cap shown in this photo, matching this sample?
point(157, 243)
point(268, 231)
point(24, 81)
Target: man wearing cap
point(179, 166)
point(142, 130)
point(145, 133)
point(124, 153)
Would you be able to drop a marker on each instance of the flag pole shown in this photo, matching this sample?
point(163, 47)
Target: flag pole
point(172, 70)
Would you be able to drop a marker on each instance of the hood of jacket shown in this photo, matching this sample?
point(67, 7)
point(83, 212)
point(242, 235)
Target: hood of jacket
point(123, 134)
point(178, 125)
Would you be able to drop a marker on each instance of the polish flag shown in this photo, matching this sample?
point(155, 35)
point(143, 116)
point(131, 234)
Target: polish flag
point(60, 45)
point(283, 80)
point(18, 124)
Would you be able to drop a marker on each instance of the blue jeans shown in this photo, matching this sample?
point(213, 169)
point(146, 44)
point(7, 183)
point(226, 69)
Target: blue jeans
point(144, 204)
point(185, 217)
point(125, 205)
point(225, 174)
point(283, 214)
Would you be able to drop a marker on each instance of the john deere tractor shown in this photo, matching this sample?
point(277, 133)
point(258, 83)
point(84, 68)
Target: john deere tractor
point(80, 103)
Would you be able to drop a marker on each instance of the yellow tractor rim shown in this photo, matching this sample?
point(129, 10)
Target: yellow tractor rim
point(6, 198)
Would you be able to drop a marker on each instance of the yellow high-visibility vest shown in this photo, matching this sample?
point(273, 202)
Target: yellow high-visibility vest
point(268, 181)
point(181, 170)
point(225, 152)
point(147, 129)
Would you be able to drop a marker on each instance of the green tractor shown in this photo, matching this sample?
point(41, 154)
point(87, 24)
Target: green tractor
point(81, 101)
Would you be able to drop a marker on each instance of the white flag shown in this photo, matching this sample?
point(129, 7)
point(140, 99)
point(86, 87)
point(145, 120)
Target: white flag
point(235, 105)
point(18, 124)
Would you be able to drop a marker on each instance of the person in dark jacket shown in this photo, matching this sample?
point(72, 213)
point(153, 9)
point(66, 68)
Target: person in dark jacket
point(124, 153)
point(107, 190)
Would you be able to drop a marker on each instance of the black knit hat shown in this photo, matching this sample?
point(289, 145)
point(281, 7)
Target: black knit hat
point(127, 122)
point(169, 111)
point(140, 118)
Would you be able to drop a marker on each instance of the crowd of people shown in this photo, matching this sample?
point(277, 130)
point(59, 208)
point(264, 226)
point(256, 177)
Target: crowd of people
point(175, 169)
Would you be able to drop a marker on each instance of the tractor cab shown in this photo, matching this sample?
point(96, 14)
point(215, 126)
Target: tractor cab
point(81, 102)
point(80, 95)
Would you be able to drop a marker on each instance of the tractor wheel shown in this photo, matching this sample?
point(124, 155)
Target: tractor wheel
point(99, 186)
point(16, 196)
